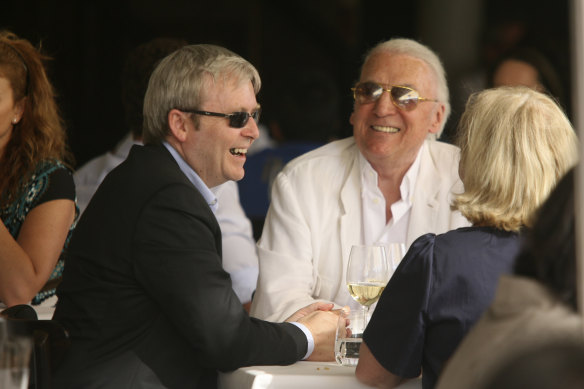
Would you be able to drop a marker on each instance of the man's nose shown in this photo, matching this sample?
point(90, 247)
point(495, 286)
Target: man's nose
point(384, 105)
point(251, 130)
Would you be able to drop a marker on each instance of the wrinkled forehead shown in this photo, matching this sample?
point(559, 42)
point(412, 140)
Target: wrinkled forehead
point(389, 68)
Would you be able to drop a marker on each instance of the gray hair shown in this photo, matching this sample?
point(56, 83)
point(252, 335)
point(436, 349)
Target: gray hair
point(417, 50)
point(179, 80)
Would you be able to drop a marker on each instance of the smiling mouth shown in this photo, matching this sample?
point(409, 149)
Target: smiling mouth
point(238, 152)
point(388, 130)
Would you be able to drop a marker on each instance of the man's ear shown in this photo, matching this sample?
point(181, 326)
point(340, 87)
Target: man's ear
point(437, 119)
point(177, 122)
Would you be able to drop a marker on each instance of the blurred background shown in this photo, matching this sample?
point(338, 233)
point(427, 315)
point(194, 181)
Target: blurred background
point(89, 40)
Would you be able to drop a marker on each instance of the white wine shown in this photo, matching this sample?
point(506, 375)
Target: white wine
point(366, 293)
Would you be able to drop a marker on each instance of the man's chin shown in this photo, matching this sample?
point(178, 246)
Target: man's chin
point(236, 176)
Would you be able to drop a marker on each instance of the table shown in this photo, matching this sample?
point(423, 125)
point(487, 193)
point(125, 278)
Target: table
point(303, 374)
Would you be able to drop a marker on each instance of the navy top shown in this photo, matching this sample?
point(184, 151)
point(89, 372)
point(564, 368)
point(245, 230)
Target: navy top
point(439, 290)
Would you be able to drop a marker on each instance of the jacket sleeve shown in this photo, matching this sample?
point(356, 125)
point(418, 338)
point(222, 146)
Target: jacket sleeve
point(287, 275)
point(177, 262)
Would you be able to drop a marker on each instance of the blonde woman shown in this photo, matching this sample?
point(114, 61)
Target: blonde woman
point(516, 144)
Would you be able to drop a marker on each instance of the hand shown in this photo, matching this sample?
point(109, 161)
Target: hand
point(322, 324)
point(318, 306)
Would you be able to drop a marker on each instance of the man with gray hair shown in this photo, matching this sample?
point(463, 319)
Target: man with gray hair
point(144, 296)
point(389, 183)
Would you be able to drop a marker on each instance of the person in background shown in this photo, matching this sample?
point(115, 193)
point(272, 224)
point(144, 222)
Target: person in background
point(136, 72)
point(239, 250)
point(554, 365)
point(388, 183)
point(144, 295)
point(536, 307)
point(301, 111)
point(516, 144)
point(37, 193)
point(528, 67)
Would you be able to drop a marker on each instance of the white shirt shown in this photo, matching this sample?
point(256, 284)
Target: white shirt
point(238, 245)
point(375, 227)
point(316, 215)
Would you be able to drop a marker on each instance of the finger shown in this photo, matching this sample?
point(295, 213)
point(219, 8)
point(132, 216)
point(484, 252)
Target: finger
point(324, 306)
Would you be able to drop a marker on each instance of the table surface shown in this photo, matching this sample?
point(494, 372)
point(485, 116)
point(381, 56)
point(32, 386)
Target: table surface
point(303, 374)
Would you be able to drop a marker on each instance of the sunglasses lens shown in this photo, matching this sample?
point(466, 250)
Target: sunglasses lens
point(367, 92)
point(256, 115)
point(404, 98)
point(238, 119)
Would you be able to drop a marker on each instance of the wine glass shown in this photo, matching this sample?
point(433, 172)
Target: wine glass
point(368, 272)
point(395, 253)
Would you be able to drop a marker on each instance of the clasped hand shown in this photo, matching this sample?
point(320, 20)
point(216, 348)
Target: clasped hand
point(321, 320)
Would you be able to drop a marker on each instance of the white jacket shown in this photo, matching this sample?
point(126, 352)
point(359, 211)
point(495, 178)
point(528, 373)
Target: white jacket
point(315, 217)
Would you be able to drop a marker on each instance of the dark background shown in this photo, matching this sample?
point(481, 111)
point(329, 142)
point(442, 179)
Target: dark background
point(88, 41)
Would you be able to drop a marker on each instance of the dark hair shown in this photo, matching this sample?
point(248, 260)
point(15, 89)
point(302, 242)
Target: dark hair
point(548, 254)
point(139, 65)
point(305, 105)
point(547, 75)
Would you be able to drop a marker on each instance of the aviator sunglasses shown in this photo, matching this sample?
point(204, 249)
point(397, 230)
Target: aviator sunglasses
point(236, 119)
point(403, 97)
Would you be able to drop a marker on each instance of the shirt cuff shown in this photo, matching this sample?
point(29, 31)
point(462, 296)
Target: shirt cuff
point(309, 339)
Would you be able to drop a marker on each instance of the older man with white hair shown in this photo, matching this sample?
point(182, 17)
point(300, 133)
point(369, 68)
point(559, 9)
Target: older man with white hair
point(389, 183)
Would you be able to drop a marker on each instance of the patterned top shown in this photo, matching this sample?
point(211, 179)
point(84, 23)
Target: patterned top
point(51, 181)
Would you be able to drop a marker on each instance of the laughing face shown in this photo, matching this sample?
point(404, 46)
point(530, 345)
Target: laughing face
point(384, 133)
point(214, 150)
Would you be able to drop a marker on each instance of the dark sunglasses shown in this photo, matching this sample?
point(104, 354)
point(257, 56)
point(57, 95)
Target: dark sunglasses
point(403, 97)
point(236, 119)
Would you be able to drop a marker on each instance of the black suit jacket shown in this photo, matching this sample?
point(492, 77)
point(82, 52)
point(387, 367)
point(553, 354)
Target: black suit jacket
point(144, 295)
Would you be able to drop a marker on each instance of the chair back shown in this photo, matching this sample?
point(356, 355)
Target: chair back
point(50, 342)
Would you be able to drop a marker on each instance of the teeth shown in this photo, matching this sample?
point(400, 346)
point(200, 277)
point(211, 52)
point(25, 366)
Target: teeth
point(389, 130)
point(238, 151)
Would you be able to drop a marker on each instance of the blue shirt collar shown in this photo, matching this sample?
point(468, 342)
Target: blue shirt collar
point(193, 177)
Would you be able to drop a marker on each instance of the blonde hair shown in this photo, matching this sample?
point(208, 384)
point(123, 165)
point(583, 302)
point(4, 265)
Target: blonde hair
point(179, 81)
point(515, 144)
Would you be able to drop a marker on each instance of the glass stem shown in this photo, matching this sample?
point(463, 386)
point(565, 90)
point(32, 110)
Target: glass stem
point(365, 311)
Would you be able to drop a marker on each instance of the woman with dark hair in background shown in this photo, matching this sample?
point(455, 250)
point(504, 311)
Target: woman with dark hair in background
point(37, 193)
point(527, 66)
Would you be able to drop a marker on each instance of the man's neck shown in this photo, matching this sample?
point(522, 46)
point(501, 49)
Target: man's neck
point(390, 176)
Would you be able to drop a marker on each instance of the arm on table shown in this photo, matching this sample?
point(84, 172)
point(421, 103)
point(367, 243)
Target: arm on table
point(181, 269)
point(322, 324)
point(370, 372)
point(286, 279)
point(27, 262)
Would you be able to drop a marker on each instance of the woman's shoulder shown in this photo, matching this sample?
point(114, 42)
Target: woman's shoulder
point(473, 235)
point(53, 170)
point(48, 166)
point(463, 243)
point(51, 180)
